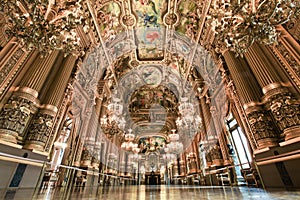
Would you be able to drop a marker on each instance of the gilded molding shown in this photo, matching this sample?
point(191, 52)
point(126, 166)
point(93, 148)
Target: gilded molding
point(271, 87)
point(49, 109)
point(252, 106)
point(27, 90)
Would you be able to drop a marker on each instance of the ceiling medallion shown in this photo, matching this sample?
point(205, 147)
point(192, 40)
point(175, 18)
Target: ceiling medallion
point(152, 76)
point(171, 18)
point(128, 20)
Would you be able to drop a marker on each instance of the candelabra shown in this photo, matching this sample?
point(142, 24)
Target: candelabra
point(46, 24)
point(238, 24)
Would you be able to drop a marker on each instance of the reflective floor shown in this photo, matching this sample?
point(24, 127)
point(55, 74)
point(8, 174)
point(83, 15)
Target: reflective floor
point(151, 193)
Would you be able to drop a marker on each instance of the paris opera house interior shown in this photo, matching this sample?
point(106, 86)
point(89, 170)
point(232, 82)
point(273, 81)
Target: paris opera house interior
point(149, 99)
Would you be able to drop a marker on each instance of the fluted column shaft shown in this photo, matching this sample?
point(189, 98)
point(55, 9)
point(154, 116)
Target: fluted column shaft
point(245, 82)
point(81, 140)
point(90, 140)
point(24, 102)
point(250, 95)
point(40, 132)
point(284, 107)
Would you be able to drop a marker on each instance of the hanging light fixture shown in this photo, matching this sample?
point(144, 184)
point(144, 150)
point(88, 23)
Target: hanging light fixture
point(174, 147)
point(115, 122)
point(129, 145)
point(188, 121)
point(238, 24)
point(47, 24)
point(186, 109)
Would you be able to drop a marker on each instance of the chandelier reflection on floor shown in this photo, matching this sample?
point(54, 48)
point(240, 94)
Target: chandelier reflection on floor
point(46, 24)
point(237, 24)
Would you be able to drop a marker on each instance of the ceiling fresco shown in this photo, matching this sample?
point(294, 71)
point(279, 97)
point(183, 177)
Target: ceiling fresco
point(154, 60)
point(150, 30)
point(108, 18)
point(189, 18)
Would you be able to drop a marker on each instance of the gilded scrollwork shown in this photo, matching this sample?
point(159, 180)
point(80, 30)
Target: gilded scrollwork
point(285, 110)
point(15, 114)
point(40, 130)
point(261, 125)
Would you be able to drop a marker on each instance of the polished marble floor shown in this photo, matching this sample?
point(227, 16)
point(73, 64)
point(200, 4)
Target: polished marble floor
point(142, 192)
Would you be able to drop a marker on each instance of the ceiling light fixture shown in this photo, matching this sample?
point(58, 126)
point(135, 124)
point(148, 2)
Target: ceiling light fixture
point(47, 25)
point(238, 24)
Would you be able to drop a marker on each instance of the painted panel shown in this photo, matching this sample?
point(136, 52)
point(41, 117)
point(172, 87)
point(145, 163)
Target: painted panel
point(150, 31)
point(108, 18)
point(189, 18)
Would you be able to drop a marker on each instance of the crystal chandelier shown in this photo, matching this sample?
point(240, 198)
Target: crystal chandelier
point(115, 109)
point(109, 127)
point(47, 24)
point(186, 109)
point(174, 147)
point(188, 121)
point(115, 119)
point(239, 23)
point(129, 145)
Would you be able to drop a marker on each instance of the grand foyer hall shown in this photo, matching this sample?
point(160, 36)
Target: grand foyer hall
point(149, 99)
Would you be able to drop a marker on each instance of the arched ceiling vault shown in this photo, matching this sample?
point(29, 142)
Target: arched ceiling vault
point(160, 39)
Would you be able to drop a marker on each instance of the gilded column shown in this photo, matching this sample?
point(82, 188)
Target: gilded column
point(182, 165)
point(209, 138)
point(82, 130)
point(192, 160)
point(218, 118)
point(237, 107)
point(40, 132)
point(250, 93)
point(24, 102)
point(285, 108)
point(90, 140)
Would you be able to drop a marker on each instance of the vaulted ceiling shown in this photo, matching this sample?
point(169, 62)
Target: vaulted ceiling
point(155, 55)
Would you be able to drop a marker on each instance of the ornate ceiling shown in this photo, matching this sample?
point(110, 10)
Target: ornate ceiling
point(150, 57)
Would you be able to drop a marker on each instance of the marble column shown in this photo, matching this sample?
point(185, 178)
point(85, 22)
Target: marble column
point(249, 92)
point(283, 106)
point(24, 102)
point(40, 132)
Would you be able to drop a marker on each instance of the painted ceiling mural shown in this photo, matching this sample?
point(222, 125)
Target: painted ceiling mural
point(150, 30)
point(153, 58)
point(189, 18)
point(108, 18)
